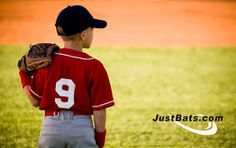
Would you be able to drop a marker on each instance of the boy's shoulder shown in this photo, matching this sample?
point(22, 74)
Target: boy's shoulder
point(74, 54)
point(70, 53)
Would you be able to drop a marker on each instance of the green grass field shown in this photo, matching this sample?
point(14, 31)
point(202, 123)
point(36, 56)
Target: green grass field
point(146, 82)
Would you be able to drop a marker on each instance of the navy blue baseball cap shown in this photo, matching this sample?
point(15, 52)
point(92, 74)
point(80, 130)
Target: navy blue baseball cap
point(75, 19)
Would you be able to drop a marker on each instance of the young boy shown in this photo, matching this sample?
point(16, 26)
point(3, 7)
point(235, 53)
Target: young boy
point(74, 87)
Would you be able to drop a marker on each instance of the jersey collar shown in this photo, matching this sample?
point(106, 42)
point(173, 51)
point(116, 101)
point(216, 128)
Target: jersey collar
point(74, 52)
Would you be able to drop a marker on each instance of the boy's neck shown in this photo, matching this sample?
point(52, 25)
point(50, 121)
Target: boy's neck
point(74, 45)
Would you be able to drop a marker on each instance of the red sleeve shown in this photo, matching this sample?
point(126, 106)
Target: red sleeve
point(101, 93)
point(36, 85)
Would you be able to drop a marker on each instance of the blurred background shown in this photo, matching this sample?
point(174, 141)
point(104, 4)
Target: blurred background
point(134, 23)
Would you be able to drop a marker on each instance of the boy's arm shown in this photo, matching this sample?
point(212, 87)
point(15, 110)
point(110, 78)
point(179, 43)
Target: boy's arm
point(102, 98)
point(100, 120)
point(25, 81)
point(100, 126)
point(32, 100)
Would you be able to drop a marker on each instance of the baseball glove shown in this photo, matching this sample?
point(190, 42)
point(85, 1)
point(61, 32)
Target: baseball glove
point(38, 56)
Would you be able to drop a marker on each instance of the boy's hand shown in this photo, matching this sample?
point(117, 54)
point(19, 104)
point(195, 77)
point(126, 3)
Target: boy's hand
point(38, 56)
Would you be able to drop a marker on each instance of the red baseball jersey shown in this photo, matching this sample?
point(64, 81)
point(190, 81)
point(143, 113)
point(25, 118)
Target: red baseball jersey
point(74, 81)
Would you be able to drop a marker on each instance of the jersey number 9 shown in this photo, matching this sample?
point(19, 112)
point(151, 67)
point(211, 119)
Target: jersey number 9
point(65, 93)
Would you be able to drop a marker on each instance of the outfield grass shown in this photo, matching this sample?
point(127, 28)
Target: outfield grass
point(146, 82)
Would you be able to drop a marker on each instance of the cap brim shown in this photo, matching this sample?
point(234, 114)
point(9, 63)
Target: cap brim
point(99, 23)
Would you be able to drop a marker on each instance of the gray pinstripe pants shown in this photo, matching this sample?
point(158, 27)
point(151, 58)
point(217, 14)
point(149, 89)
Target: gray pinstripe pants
point(67, 131)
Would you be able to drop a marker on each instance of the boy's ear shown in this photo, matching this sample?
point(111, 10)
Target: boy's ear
point(82, 35)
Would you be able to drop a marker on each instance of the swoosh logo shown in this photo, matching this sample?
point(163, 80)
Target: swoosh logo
point(210, 130)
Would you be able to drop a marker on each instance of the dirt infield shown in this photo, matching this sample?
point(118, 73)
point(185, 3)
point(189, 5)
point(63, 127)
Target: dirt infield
point(134, 23)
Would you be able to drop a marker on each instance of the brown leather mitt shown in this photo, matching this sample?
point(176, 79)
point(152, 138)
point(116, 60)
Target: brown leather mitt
point(38, 56)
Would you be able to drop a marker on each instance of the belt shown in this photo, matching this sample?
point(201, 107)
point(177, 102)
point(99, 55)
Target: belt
point(55, 113)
